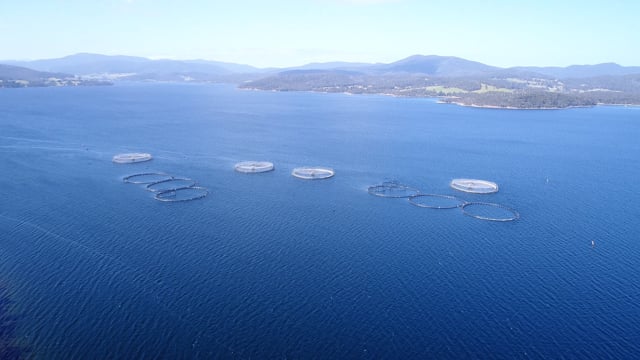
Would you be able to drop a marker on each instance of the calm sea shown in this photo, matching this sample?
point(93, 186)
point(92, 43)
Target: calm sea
point(270, 266)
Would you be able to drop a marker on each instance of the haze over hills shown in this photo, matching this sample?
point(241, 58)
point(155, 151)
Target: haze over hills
point(90, 64)
point(451, 66)
point(582, 71)
point(333, 65)
point(454, 79)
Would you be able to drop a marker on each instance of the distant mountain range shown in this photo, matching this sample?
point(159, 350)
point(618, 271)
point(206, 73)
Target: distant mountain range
point(90, 64)
point(454, 79)
point(93, 65)
point(95, 69)
point(465, 82)
point(582, 71)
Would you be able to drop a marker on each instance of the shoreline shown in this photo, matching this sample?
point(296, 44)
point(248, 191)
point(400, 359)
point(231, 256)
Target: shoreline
point(439, 101)
point(516, 108)
point(534, 108)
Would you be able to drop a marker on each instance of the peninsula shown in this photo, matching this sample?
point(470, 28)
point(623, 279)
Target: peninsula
point(468, 83)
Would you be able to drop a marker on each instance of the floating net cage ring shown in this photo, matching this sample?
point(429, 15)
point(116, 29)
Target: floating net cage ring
point(129, 158)
point(474, 186)
point(388, 188)
point(459, 202)
point(133, 179)
point(250, 167)
point(312, 173)
point(515, 214)
point(171, 195)
point(190, 182)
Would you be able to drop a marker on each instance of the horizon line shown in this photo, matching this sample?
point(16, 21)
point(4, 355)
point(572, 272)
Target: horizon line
point(170, 58)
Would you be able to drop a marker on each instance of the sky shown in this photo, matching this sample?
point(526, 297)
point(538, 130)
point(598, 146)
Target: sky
point(279, 33)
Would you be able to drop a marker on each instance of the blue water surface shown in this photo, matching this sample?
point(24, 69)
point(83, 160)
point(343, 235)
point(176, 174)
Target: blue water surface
point(270, 266)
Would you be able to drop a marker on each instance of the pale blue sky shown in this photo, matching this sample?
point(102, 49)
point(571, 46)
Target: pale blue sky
point(293, 32)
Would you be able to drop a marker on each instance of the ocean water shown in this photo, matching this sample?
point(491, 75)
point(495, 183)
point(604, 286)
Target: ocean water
point(270, 266)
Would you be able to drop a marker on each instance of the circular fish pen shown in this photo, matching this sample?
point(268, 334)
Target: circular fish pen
point(490, 211)
point(252, 167)
point(171, 184)
point(312, 173)
point(392, 189)
point(474, 186)
point(436, 201)
point(146, 178)
point(130, 158)
point(168, 188)
point(182, 194)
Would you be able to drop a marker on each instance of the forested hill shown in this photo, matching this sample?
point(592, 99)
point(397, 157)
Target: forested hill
point(17, 76)
point(469, 83)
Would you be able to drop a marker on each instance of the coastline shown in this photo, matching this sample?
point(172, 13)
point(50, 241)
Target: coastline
point(534, 108)
point(439, 101)
point(515, 108)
